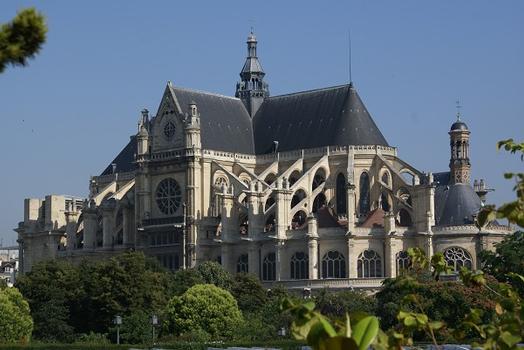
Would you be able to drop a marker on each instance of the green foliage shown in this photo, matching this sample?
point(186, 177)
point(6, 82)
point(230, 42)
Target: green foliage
point(204, 307)
point(213, 273)
point(321, 334)
point(507, 258)
point(52, 289)
point(249, 292)
point(92, 338)
point(16, 324)
point(135, 328)
point(513, 211)
point(21, 38)
point(337, 304)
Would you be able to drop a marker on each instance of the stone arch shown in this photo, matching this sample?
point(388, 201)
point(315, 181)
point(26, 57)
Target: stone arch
point(220, 179)
point(333, 265)
point(385, 177)
point(269, 202)
point(457, 257)
point(364, 201)
point(319, 202)
point(408, 176)
point(299, 266)
point(369, 264)
point(243, 224)
point(298, 196)
point(405, 196)
point(319, 178)
point(341, 194)
point(299, 220)
point(270, 178)
point(245, 178)
point(294, 177)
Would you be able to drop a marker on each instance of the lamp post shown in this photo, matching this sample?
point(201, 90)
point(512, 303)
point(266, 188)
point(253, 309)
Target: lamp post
point(118, 321)
point(154, 322)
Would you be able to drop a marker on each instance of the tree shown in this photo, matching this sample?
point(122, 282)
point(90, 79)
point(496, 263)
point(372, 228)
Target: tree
point(21, 38)
point(337, 304)
point(16, 324)
point(213, 273)
point(249, 292)
point(185, 279)
point(204, 307)
point(53, 291)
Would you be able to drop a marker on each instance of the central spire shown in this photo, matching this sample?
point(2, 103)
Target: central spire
point(252, 89)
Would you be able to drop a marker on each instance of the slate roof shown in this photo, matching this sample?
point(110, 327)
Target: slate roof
point(125, 160)
point(225, 124)
point(455, 204)
point(332, 116)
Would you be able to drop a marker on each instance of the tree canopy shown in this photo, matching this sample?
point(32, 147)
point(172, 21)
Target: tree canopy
point(21, 38)
point(16, 324)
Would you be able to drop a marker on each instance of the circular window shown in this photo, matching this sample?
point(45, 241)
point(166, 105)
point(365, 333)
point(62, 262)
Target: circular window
point(168, 196)
point(169, 130)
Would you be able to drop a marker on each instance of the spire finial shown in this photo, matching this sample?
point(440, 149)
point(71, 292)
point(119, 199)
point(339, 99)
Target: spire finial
point(459, 106)
point(349, 58)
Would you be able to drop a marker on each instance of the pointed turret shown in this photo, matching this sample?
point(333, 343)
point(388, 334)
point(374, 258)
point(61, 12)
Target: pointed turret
point(459, 163)
point(251, 89)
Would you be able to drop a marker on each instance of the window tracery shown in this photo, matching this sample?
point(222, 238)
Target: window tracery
point(333, 265)
point(299, 266)
point(403, 261)
point(243, 263)
point(369, 264)
point(269, 267)
point(168, 196)
point(457, 257)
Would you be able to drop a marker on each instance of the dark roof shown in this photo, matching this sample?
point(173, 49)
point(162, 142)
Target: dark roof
point(332, 116)
point(455, 204)
point(125, 160)
point(459, 126)
point(224, 121)
point(375, 218)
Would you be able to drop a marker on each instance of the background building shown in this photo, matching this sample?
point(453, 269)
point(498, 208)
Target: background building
point(302, 188)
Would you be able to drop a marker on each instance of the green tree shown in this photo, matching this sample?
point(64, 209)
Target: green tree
point(213, 273)
point(185, 279)
point(249, 292)
point(53, 290)
point(204, 307)
point(337, 304)
point(21, 38)
point(16, 324)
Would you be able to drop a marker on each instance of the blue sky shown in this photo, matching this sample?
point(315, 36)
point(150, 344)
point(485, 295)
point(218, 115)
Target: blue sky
point(66, 115)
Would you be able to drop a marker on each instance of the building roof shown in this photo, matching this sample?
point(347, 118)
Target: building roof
point(455, 204)
point(459, 126)
point(224, 121)
point(125, 160)
point(332, 116)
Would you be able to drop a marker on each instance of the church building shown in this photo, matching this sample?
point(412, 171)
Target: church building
point(301, 188)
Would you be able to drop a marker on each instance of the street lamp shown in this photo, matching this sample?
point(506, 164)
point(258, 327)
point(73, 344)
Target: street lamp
point(154, 322)
point(117, 321)
point(282, 332)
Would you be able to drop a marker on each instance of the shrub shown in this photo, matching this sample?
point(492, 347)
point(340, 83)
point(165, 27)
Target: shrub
point(16, 323)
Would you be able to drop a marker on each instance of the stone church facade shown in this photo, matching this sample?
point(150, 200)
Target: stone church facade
point(300, 188)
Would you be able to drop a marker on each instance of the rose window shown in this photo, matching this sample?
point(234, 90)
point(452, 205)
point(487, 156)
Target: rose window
point(168, 196)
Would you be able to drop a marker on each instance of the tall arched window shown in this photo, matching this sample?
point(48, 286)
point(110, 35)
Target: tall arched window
point(269, 270)
point(404, 219)
point(242, 263)
point(403, 261)
point(299, 266)
point(384, 202)
point(333, 265)
point(369, 264)
point(457, 257)
point(364, 201)
point(341, 194)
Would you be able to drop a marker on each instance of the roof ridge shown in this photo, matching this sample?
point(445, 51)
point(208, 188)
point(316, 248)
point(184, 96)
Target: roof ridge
point(311, 91)
point(205, 92)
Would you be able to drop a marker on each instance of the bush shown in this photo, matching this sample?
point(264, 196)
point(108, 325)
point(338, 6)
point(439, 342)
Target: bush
point(204, 307)
point(249, 292)
point(213, 273)
point(336, 304)
point(16, 323)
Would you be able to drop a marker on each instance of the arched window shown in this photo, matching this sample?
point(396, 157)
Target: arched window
point(341, 194)
point(457, 257)
point(403, 261)
point(299, 220)
point(404, 219)
point(299, 266)
point(385, 178)
point(242, 263)
point(369, 264)
point(364, 201)
point(318, 179)
point(269, 267)
point(333, 265)
point(319, 202)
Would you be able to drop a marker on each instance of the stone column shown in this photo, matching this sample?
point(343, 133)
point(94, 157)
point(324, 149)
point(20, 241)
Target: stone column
point(279, 250)
point(352, 214)
point(351, 259)
point(71, 218)
point(312, 245)
point(253, 261)
point(90, 225)
point(229, 227)
point(108, 222)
